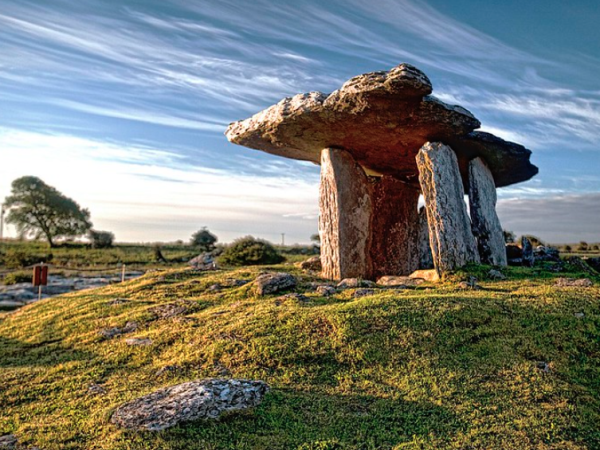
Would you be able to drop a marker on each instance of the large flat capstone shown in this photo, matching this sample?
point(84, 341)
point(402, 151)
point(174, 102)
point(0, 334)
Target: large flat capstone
point(382, 119)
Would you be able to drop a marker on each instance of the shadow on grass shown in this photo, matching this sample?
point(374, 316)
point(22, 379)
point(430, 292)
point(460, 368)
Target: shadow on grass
point(15, 353)
point(290, 419)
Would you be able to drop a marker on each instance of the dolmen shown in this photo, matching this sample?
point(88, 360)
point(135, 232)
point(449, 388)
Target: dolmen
point(382, 140)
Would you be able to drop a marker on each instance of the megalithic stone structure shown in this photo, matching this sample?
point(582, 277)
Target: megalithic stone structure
point(425, 256)
point(345, 216)
point(373, 127)
point(484, 220)
point(394, 227)
point(452, 242)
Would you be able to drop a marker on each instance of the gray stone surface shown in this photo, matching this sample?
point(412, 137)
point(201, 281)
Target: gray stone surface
point(527, 257)
point(349, 283)
point(345, 216)
point(398, 281)
point(450, 237)
point(574, 282)
point(8, 441)
point(138, 342)
point(270, 283)
point(194, 400)
point(425, 256)
point(484, 219)
point(383, 119)
point(204, 261)
point(325, 290)
point(312, 264)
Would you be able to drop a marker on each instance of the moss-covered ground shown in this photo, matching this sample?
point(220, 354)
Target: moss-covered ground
point(515, 365)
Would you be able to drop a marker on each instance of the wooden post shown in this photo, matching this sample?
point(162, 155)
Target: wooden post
point(123, 273)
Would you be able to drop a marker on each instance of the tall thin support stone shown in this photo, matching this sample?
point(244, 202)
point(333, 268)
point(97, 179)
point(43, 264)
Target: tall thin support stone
point(345, 216)
point(452, 242)
point(484, 219)
point(425, 257)
point(394, 227)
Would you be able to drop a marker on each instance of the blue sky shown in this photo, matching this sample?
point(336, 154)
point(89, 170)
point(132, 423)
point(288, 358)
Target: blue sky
point(122, 105)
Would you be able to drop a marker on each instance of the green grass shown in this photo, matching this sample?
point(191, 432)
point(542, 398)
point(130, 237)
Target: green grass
point(506, 367)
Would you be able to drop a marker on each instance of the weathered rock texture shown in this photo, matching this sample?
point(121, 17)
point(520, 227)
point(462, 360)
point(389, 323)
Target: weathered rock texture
point(394, 228)
point(203, 399)
point(345, 216)
point(527, 248)
point(484, 220)
point(383, 119)
point(452, 242)
point(269, 283)
point(425, 256)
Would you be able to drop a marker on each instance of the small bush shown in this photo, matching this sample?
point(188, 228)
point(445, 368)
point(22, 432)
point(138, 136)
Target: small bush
point(18, 277)
point(17, 259)
point(101, 239)
point(249, 251)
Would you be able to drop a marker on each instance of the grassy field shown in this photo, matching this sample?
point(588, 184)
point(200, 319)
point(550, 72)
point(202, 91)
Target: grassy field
point(515, 365)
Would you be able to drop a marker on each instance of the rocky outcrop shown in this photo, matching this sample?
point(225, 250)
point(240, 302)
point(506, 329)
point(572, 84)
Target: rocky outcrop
point(270, 283)
point(194, 400)
point(204, 261)
point(394, 227)
point(312, 264)
point(574, 282)
point(426, 274)
point(399, 281)
point(345, 216)
point(484, 220)
point(425, 256)
point(450, 237)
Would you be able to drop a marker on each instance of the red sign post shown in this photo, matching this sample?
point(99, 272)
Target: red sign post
point(40, 277)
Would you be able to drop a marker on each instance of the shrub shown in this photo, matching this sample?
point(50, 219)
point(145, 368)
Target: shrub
point(101, 239)
point(17, 259)
point(204, 240)
point(567, 248)
point(509, 236)
point(248, 251)
point(583, 246)
point(535, 241)
point(18, 277)
point(595, 247)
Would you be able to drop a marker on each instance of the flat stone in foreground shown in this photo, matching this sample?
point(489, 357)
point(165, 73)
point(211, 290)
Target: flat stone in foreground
point(194, 400)
point(269, 283)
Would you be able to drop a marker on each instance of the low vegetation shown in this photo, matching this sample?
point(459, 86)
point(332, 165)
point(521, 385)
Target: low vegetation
point(249, 251)
point(514, 365)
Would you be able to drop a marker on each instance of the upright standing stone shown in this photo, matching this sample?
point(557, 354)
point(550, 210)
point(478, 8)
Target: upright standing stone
point(528, 258)
point(425, 256)
point(345, 216)
point(394, 227)
point(450, 236)
point(484, 220)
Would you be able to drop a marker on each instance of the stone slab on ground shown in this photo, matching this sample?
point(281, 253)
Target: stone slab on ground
point(194, 400)
point(270, 283)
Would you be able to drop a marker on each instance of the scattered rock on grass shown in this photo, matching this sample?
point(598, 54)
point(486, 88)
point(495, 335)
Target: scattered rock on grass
point(313, 264)
point(110, 333)
point(579, 315)
point(293, 296)
point(426, 274)
point(232, 282)
point(364, 292)
point(118, 301)
point(496, 275)
point(269, 283)
point(138, 342)
point(202, 399)
point(574, 282)
point(399, 281)
point(170, 310)
point(167, 370)
point(96, 389)
point(8, 441)
point(471, 283)
point(204, 261)
point(351, 283)
point(325, 290)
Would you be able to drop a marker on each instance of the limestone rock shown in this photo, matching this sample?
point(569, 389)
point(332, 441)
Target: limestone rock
point(194, 400)
point(313, 264)
point(574, 282)
point(399, 281)
point(383, 119)
point(8, 441)
point(325, 290)
point(204, 261)
point(345, 218)
point(546, 253)
point(350, 283)
point(452, 242)
point(138, 342)
point(269, 283)
point(170, 310)
point(427, 275)
point(496, 275)
point(394, 227)
point(484, 220)
point(110, 333)
point(425, 256)
point(514, 254)
point(363, 292)
point(527, 250)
